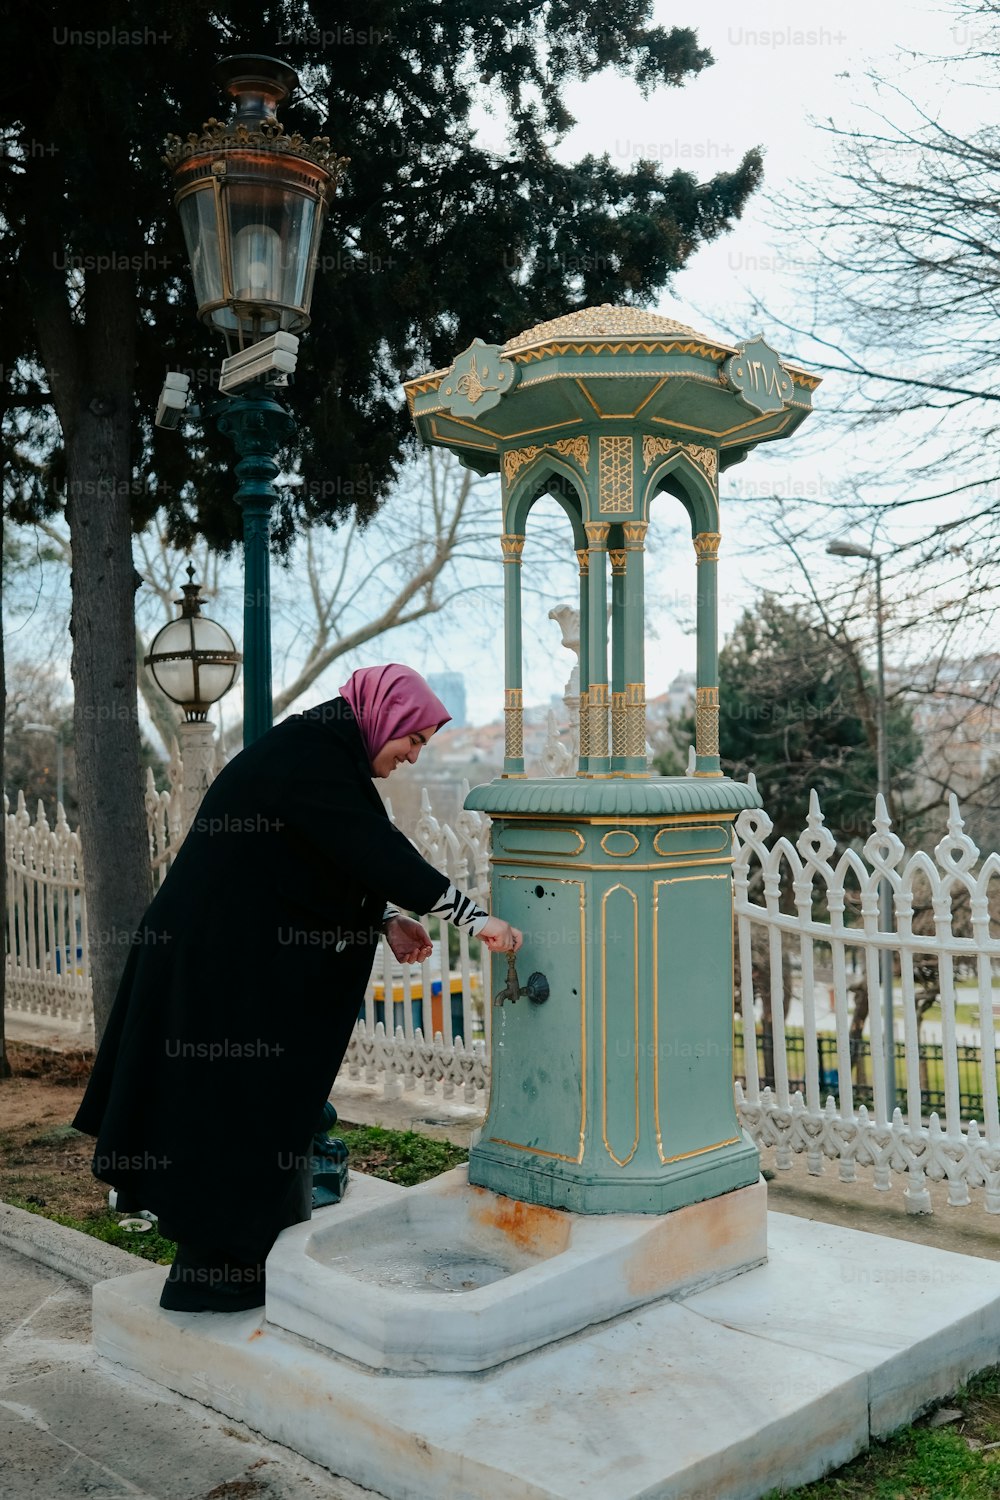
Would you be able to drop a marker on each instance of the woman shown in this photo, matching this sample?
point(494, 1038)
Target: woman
point(246, 975)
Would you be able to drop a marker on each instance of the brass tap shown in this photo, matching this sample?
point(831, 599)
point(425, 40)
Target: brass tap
point(536, 989)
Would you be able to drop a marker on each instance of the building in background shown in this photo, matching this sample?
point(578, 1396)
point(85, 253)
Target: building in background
point(450, 688)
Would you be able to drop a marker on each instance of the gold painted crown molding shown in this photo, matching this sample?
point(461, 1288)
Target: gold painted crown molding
point(218, 135)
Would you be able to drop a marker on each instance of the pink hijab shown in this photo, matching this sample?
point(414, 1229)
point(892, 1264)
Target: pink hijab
point(389, 702)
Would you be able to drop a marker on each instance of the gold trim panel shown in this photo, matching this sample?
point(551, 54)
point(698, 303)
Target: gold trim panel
point(618, 1160)
point(707, 827)
point(706, 721)
point(535, 1150)
point(599, 705)
point(680, 863)
point(686, 1155)
point(616, 490)
point(671, 880)
point(619, 853)
point(449, 442)
point(584, 727)
point(513, 733)
point(546, 827)
point(635, 719)
point(619, 725)
point(742, 427)
point(621, 416)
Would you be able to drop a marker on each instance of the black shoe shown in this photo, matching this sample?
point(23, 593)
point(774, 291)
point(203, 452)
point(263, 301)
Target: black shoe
point(210, 1281)
point(329, 1162)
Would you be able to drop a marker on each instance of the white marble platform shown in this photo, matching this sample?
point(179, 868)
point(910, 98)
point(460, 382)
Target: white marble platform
point(449, 1277)
point(768, 1379)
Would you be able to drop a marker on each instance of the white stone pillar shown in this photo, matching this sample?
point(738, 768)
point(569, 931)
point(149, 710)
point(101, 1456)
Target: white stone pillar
point(568, 620)
point(197, 747)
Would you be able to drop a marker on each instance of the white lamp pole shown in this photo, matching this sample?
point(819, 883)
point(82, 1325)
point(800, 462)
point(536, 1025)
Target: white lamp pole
point(194, 662)
point(846, 548)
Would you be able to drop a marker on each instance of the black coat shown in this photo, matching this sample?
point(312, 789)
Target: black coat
point(244, 982)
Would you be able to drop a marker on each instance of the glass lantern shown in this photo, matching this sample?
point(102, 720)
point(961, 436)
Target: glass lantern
point(193, 660)
point(252, 201)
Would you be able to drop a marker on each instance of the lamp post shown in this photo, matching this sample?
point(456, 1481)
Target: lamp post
point(252, 201)
point(846, 548)
point(193, 662)
point(60, 777)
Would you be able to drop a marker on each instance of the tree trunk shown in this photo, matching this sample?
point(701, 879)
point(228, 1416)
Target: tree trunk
point(5, 1068)
point(166, 720)
point(113, 834)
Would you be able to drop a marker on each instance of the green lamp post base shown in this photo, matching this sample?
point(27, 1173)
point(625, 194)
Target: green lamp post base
point(257, 425)
point(615, 1093)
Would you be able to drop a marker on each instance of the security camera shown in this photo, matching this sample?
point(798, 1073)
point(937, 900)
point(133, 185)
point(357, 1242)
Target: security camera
point(275, 355)
point(173, 399)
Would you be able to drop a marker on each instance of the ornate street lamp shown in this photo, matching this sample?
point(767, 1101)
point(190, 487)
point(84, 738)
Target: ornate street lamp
point(252, 201)
point(194, 662)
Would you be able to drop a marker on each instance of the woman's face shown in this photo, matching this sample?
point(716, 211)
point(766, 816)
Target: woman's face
point(407, 747)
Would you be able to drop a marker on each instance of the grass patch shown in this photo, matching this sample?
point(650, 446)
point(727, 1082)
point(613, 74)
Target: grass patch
point(149, 1244)
point(400, 1156)
point(955, 1462)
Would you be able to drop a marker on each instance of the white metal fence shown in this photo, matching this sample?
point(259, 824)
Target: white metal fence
point(806, 903)
point(46, 954)
point(433, 1039)
point(811, 1074)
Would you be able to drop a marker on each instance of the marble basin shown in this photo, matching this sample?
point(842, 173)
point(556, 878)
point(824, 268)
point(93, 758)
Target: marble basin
point(446, 1276)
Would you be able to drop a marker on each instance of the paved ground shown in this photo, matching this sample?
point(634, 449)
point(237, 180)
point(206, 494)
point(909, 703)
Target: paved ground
point(72, 1427)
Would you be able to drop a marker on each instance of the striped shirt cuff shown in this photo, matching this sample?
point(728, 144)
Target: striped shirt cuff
point(461, 911)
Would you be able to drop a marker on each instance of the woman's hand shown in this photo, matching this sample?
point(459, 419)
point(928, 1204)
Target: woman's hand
point(500, 936)
point(409, 941)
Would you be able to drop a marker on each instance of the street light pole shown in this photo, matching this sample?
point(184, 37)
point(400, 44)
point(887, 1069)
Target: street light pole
point(252, 201)
point(257, 425)
point(847, 548)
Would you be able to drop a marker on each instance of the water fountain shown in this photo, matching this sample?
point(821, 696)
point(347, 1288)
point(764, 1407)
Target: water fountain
point(593, 1308)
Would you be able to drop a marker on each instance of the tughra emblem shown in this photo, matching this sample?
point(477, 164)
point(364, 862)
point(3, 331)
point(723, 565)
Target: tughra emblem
point(477, 381)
